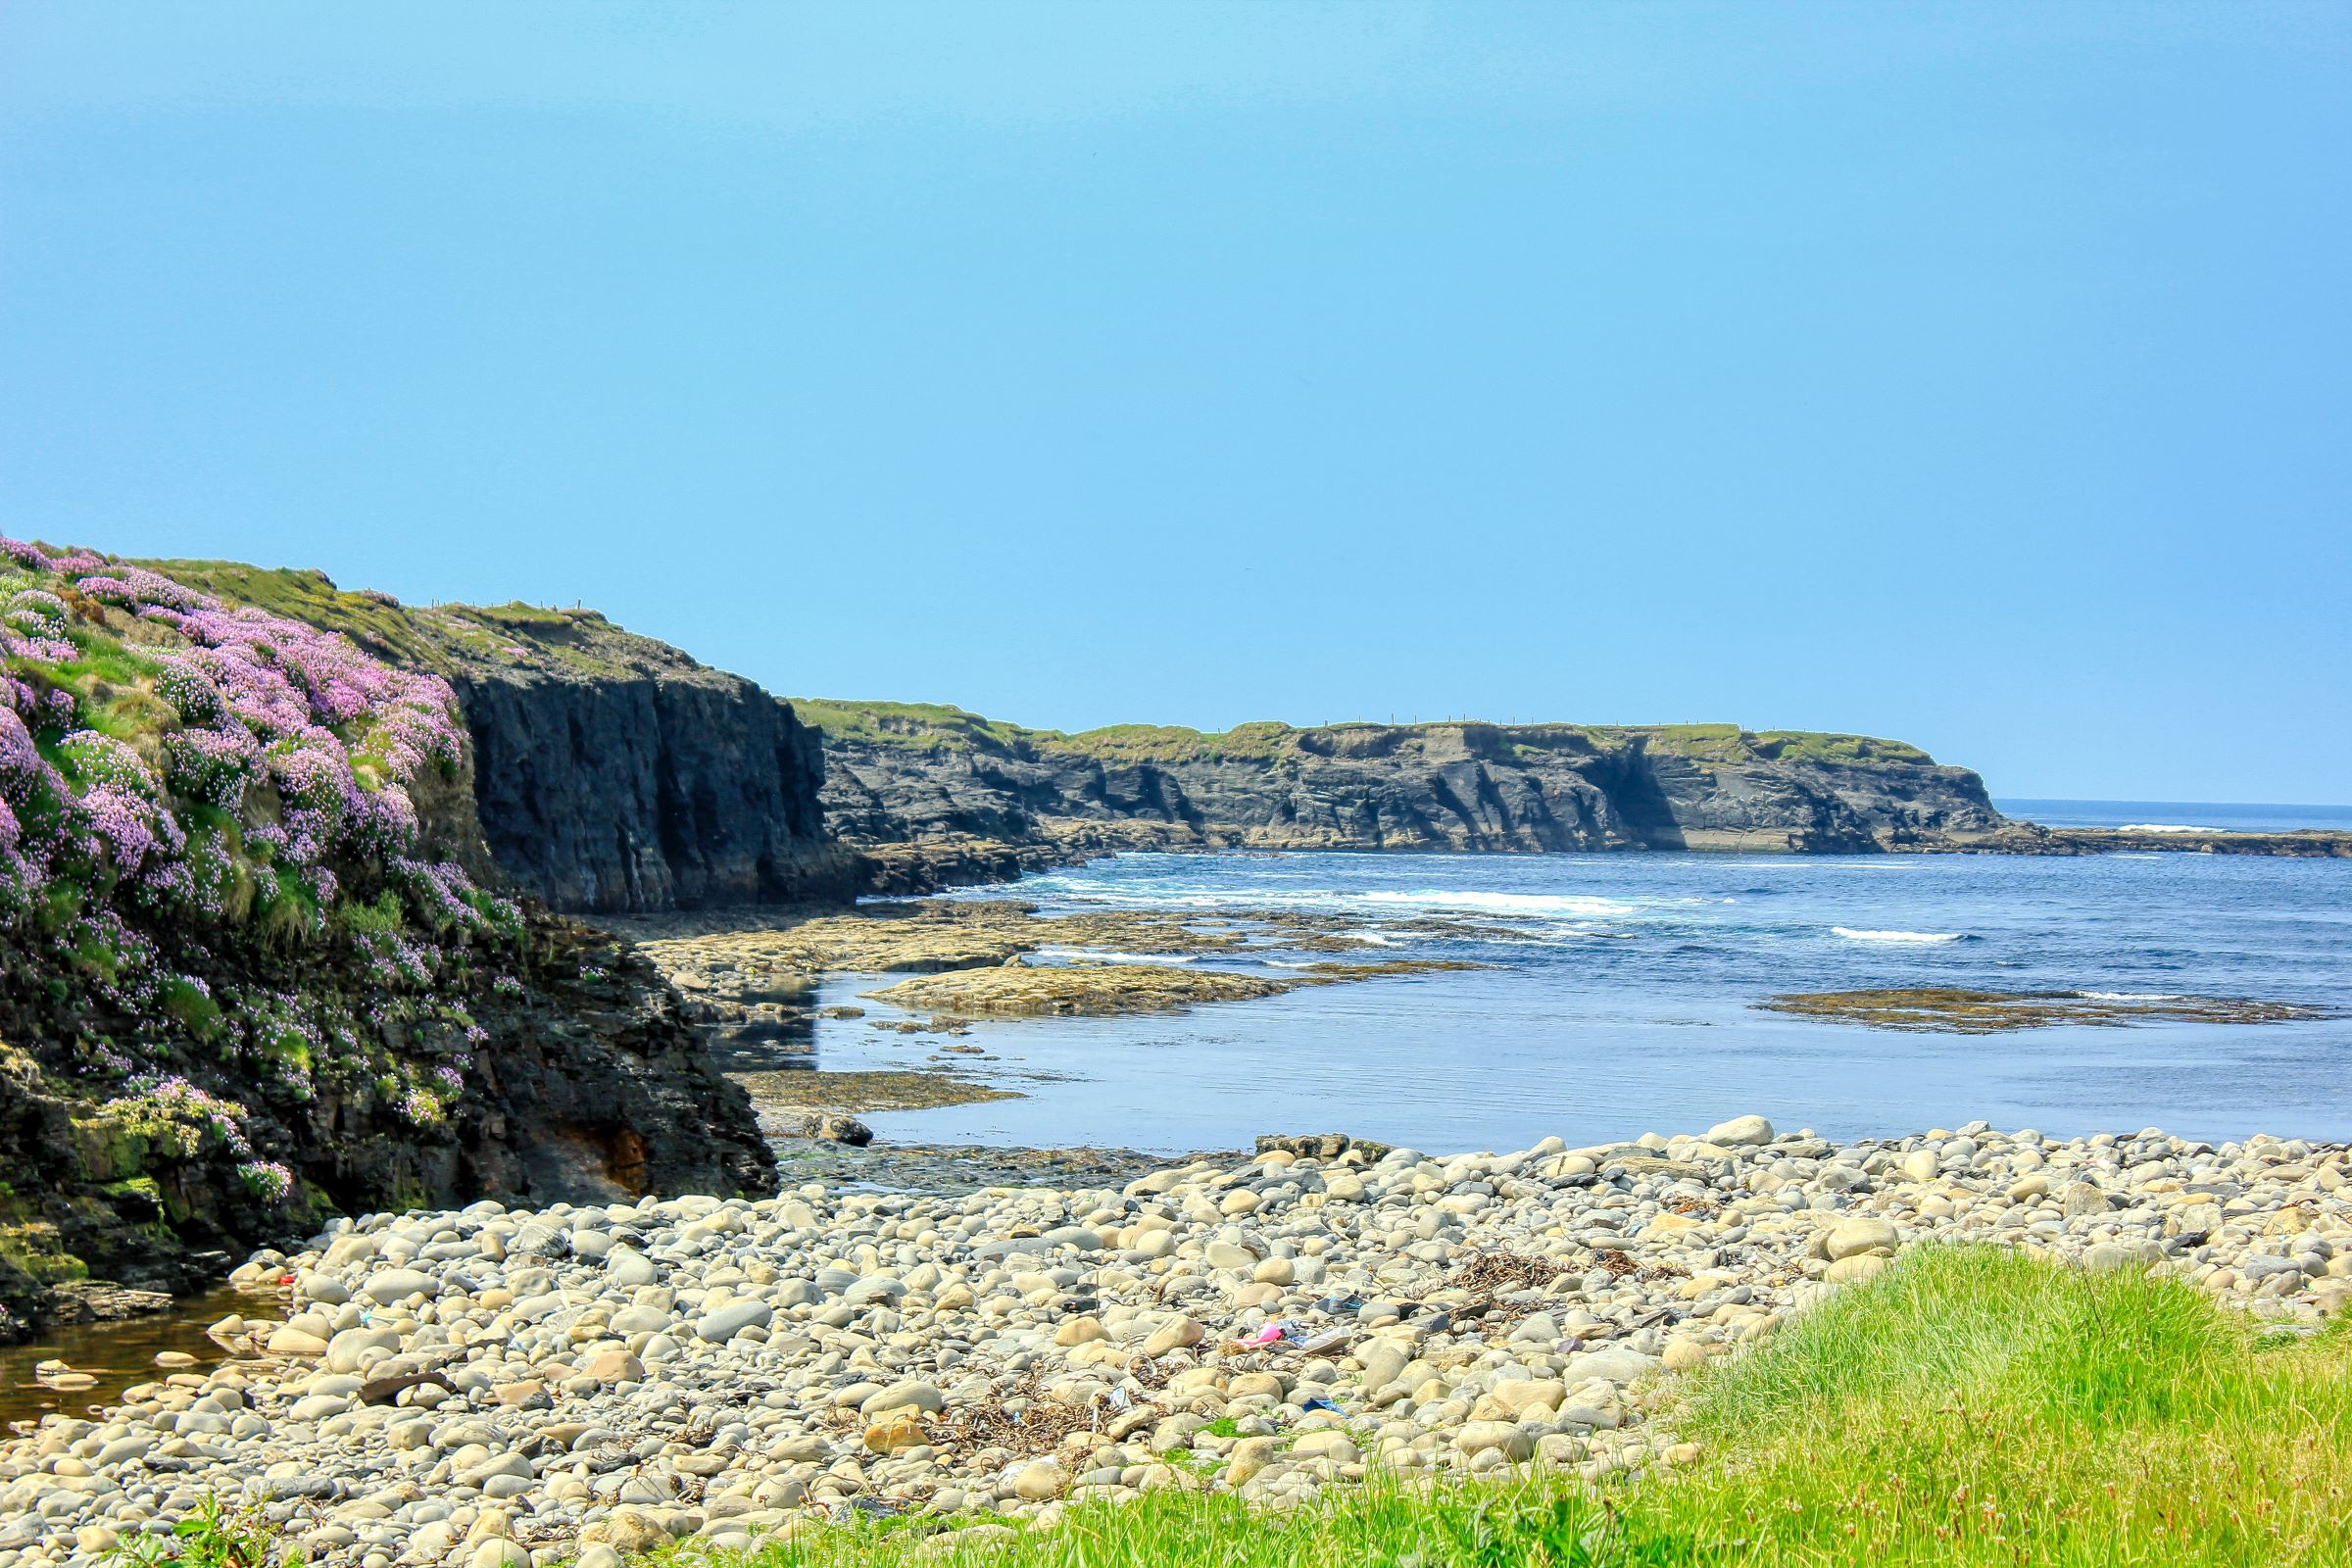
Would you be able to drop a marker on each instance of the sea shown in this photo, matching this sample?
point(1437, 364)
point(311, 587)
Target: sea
point(2179, 817)
point(1623, 990)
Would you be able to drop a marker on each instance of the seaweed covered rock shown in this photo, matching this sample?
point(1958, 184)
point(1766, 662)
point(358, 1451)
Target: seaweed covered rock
point(246, 976)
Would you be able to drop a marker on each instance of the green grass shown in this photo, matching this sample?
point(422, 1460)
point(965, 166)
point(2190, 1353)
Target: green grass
point(1977, 1406)
point(213, 1535)
point(1970, 1406)
point(939, 726)
point(919, 726)
point(1523, 1522)
point(441, 639)
point(1812, 746)
point(1728, 743)
point(387, 630)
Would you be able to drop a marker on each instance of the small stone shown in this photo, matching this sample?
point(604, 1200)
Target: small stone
point(732, 1319)
point(1740, 1132)
point(1479, 1437)
point(1862, 1234)
point(908, 1395)
point(1249, 1455)
point(614, 1366)
point(895, 1432)
point(1174, 1335)
point(1382, 1362)
point(1079, 1331)
point(1220, 1254)
point(1331, 1442)
point(1041, 1480)
point(398, 1285)
point(630, 1269)
point(2082, 1198)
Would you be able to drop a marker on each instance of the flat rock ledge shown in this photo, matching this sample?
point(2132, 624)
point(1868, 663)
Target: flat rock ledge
point(496, 1387)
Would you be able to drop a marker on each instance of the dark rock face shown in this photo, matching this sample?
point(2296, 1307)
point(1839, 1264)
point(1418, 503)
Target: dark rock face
point(1428, 787)
point(646, 791)
point(588, 1085)
point(598, 1086)
point(198, 1077)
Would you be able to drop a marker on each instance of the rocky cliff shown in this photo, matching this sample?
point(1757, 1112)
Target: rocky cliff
point(906, 774)
point(250, 972)
point(616, 774)
point(613, 773)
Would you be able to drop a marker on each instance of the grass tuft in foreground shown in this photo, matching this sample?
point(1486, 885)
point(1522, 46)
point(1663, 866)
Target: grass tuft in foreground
point(1977, 1406)
point(1970, 1407)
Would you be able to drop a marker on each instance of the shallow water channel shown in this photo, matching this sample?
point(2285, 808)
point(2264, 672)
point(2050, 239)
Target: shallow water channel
point(122, 1353)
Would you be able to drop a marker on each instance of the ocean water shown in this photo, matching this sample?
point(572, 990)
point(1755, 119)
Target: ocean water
point(1622, 1001)
point(2175, 815)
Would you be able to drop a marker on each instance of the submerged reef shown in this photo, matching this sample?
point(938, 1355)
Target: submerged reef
point(1956, 1011)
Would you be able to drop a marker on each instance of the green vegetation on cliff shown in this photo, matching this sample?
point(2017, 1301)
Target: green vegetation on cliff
point(244, 979)
point(446, 640)
point(935, 726)
point(921, 726)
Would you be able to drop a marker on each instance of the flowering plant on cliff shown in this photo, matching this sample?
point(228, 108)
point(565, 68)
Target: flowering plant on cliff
point(230, 702)
point(179, 775)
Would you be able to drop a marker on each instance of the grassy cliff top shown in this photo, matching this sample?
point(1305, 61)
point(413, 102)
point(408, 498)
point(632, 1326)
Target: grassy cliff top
point(455, 639)
point(447, 640)
point(935, 726)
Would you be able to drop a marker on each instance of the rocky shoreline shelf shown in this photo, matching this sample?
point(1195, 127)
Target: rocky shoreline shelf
point(493, 1387)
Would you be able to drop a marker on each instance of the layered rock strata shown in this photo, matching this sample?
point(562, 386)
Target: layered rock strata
point(899, 774)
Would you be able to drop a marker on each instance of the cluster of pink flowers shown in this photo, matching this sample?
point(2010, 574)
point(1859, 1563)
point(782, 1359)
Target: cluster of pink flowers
point(262, 700)
point(284, 760)
point(395, 960)
point(267, 1180)
point(173, 1109)
point(212, 766)
point(423, 1107)
point(447, 896)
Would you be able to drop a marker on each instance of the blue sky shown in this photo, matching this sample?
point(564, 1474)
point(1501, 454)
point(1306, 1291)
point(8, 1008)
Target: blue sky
point(1971, 375)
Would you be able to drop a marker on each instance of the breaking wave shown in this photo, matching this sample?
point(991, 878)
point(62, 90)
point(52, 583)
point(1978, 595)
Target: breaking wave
point(1918, 937)
point(1508, 903)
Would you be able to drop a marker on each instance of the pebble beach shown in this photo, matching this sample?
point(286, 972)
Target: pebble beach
point(498, 1387)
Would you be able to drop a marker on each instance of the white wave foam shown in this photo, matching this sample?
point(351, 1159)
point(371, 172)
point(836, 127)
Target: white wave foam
point(2164, 827)
point(1511, 903)
point(1921, 937)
